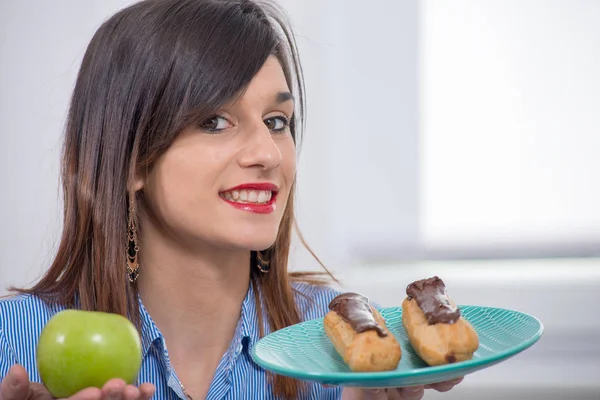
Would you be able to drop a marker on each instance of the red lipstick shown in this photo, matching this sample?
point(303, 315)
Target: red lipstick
point(265, 208)
point(254, 186)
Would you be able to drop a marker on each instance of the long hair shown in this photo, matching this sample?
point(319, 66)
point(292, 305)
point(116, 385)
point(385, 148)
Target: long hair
point(151, 70)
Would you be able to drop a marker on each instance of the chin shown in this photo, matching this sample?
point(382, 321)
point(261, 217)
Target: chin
point(254, 237)
point(261, 246)
point(248, 235)
point(257, 243)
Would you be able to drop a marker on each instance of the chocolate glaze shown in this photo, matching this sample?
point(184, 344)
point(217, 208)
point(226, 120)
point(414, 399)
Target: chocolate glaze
point(356, 311)
point(430, 295)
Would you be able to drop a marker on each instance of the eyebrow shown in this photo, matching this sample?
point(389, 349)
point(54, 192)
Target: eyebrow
point(282, 97)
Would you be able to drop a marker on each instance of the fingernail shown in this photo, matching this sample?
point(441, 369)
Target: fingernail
point(14, 383)
point(415, 389)
point(113, 395)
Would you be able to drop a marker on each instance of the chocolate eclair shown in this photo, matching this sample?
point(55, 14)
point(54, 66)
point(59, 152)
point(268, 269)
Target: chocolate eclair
point(434, 325)
point(360, 335)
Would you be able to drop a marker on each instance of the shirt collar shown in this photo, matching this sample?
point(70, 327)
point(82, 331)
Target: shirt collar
point(249, 318)
point(150, 332)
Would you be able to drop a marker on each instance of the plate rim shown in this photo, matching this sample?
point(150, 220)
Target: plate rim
point(350, 376)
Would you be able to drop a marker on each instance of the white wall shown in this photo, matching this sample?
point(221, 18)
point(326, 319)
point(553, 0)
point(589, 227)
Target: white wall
point(510, 128)
point(358, 185)
point(41, 45)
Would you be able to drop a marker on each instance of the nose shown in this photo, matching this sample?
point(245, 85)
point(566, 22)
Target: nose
point(260, 150)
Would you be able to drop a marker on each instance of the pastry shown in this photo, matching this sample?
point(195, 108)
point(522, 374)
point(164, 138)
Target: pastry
point(360, 335)
point(435, 327)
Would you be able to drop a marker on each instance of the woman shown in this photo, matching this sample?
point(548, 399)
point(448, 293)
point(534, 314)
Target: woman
point(178, 174)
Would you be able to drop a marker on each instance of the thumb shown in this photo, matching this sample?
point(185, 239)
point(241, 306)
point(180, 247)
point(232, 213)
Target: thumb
point(37, 391)
point(15, 386)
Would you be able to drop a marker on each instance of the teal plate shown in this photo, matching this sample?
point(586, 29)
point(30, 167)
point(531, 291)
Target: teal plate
point(303, 351)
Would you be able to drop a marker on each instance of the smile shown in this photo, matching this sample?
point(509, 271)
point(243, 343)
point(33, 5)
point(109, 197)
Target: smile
point(248, 196)
point(259, 198)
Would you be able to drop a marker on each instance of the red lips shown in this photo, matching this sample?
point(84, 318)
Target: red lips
point(262, 208)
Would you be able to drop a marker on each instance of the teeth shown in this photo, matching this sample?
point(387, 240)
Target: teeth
point(261, 196)
point(249, 196)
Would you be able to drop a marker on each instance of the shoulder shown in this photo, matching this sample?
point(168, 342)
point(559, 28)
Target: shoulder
point(24, 311)
point(313, 300)
point(22, 318)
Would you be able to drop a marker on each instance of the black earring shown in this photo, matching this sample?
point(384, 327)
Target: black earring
point(132, 247)
point(262, 262)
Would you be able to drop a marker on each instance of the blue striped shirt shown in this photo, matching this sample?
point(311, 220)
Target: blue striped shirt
point(23, 317)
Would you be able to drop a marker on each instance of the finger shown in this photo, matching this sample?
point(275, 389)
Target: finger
point(87, 394)
point(114, 389)
point(444, 386)
point(37, 391)
point(394, 394)
point(441, 387)
point(453, 382)
point(412, 392)
point(457, 380)
point(374, 394)
point(351, 393)
point(131, 393)
point(147, 390)
point(15, 386)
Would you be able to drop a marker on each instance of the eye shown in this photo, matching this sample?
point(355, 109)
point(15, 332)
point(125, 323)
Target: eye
point(215, 124)
point(277, 124)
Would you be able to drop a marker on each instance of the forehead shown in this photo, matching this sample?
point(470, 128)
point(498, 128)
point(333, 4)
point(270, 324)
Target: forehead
point(268, 82)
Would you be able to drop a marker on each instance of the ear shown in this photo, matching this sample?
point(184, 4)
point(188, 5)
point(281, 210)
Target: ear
point(138, 184)
point(139, 181)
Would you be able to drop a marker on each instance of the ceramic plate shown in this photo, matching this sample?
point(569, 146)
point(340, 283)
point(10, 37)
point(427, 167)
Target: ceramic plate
point(303, 351)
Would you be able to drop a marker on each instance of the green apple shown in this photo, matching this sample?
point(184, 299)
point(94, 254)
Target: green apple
point(79, 349)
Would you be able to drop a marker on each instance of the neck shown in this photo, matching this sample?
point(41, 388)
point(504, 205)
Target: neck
point(194, 297)
point(194, 293)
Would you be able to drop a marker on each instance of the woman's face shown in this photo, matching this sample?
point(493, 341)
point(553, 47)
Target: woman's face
point(226, 182)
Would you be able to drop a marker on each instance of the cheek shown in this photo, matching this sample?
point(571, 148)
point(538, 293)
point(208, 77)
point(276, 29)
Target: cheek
point(178, 176)
point(288, 157)
point(288, 170)
point(180, 180)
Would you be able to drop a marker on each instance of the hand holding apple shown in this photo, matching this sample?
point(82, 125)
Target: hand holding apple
point(78, 350)
point(16, 386)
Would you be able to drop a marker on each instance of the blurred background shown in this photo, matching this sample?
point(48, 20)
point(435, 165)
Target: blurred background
point(457, 139)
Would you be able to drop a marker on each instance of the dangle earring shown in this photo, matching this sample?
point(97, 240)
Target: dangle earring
point(263, 261)
point(132, 247)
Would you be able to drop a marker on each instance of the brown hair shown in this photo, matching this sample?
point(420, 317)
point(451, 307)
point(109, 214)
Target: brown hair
point(150, 71)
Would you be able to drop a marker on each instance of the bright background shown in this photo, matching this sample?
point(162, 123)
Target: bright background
point(451, 138)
